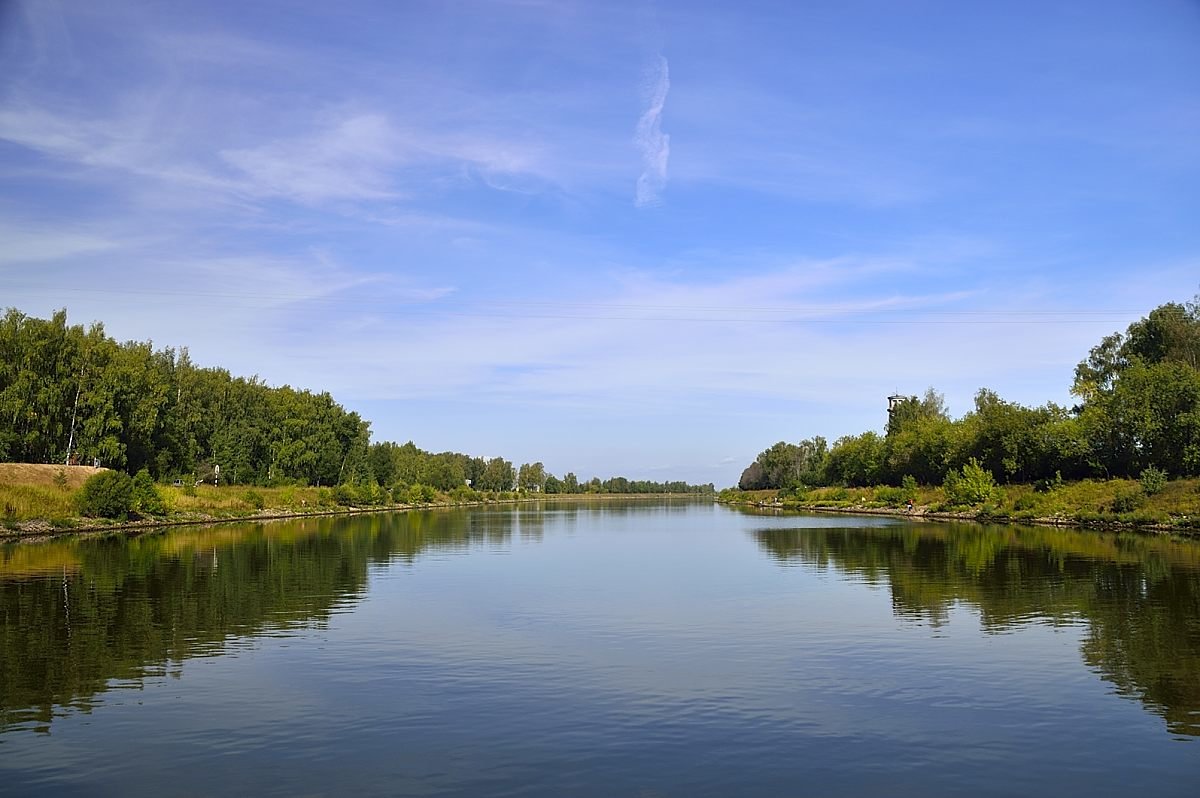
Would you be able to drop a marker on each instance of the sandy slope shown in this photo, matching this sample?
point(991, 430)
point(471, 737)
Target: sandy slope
point(44, 474)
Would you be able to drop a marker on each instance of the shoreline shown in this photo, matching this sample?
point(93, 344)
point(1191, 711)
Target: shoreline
point(37, 530)
point(924, 514)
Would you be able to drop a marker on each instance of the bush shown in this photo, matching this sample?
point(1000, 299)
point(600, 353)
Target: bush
point(254, 499)
point(464, 494)
point(108, 494)
point(420, 494)
point(345, 495)
point(146, 498)
point(1153, 480)
point(1126, 501)
point(992, 510)
point(1048, 485)
point(371, 494)
point(973, 485)
point(909, 486)
point(893, 497)
point(1026, 501)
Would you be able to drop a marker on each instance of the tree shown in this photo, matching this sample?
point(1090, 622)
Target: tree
point(753, 477)
point(498, 475)
point(531, 477)
point(1168, 334)
point(857, 460)
point(911, 409)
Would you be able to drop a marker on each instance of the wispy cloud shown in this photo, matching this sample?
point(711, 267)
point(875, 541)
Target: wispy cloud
point(25, 245)
point(651, 141)
point(348, 161)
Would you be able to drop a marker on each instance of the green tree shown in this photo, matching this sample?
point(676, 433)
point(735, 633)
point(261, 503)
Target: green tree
point(911, 409)
point(498, 475)
point(531, 477)
point(857, 460)
point(753, 477)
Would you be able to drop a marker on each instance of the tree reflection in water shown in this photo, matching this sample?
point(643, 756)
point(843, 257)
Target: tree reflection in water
point(77, 615)
point(1139, 596)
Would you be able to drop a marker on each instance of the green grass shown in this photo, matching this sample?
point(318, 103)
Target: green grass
point(29, 502)
point(1087, 501)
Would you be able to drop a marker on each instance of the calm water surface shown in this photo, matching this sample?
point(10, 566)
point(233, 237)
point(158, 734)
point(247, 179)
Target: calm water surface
point(640, 649)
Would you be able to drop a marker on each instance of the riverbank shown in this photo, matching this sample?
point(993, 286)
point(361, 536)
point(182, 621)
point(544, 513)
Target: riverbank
point(39, 501)
point(1117, 504)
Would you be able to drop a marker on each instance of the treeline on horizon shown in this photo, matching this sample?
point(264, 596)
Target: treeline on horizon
point(75, 395)
point(1138, 411)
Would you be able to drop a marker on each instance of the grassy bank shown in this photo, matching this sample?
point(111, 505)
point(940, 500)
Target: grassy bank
point(43, 499)
point(38, 499)
point(1105, 503)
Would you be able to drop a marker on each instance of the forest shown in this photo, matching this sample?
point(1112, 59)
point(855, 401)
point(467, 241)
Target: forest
point(74, 395)
point(1137, 416)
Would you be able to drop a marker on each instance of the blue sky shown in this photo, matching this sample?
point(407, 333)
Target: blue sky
point(638, 238)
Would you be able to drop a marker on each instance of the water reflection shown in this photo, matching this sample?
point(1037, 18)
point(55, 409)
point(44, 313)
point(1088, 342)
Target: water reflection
point(80, 617)
point(1139, 596)
point(78, 614)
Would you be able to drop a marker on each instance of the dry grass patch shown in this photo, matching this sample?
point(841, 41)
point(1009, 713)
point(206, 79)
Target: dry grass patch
point(46, 475)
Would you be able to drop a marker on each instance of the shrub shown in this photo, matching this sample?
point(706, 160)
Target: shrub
point(1126, 501)
point(345, 495)
point(254, 499)
point(1153, 480)
point(1026, 501)
point(464, 494)
point(60, 479)
point(146, 500)
point(992, 510)
point(371, 493)
point(421, 494)
point(108, 494)
point(890, 496)
point(1048, 485)
point(973, 485)
point(909, 486)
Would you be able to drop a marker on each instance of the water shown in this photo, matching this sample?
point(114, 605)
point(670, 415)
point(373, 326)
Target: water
point(607, 649)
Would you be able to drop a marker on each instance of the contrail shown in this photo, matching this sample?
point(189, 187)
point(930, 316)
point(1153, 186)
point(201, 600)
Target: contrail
point(654, 145)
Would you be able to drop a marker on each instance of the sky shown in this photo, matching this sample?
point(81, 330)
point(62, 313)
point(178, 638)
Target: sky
point(622, 238)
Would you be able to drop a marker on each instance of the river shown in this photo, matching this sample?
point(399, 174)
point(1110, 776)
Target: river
point(606, 648)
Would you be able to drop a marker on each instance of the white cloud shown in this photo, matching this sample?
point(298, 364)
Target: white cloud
point(29, 244)
point(350, 160)
point(654, 145)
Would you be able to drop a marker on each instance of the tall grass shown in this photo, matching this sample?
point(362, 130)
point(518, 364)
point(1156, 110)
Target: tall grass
point(224, 499)
point(31, 502)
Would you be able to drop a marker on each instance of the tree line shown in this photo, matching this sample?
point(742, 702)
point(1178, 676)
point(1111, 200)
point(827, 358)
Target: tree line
point(74, 395)
point(1138, 410)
